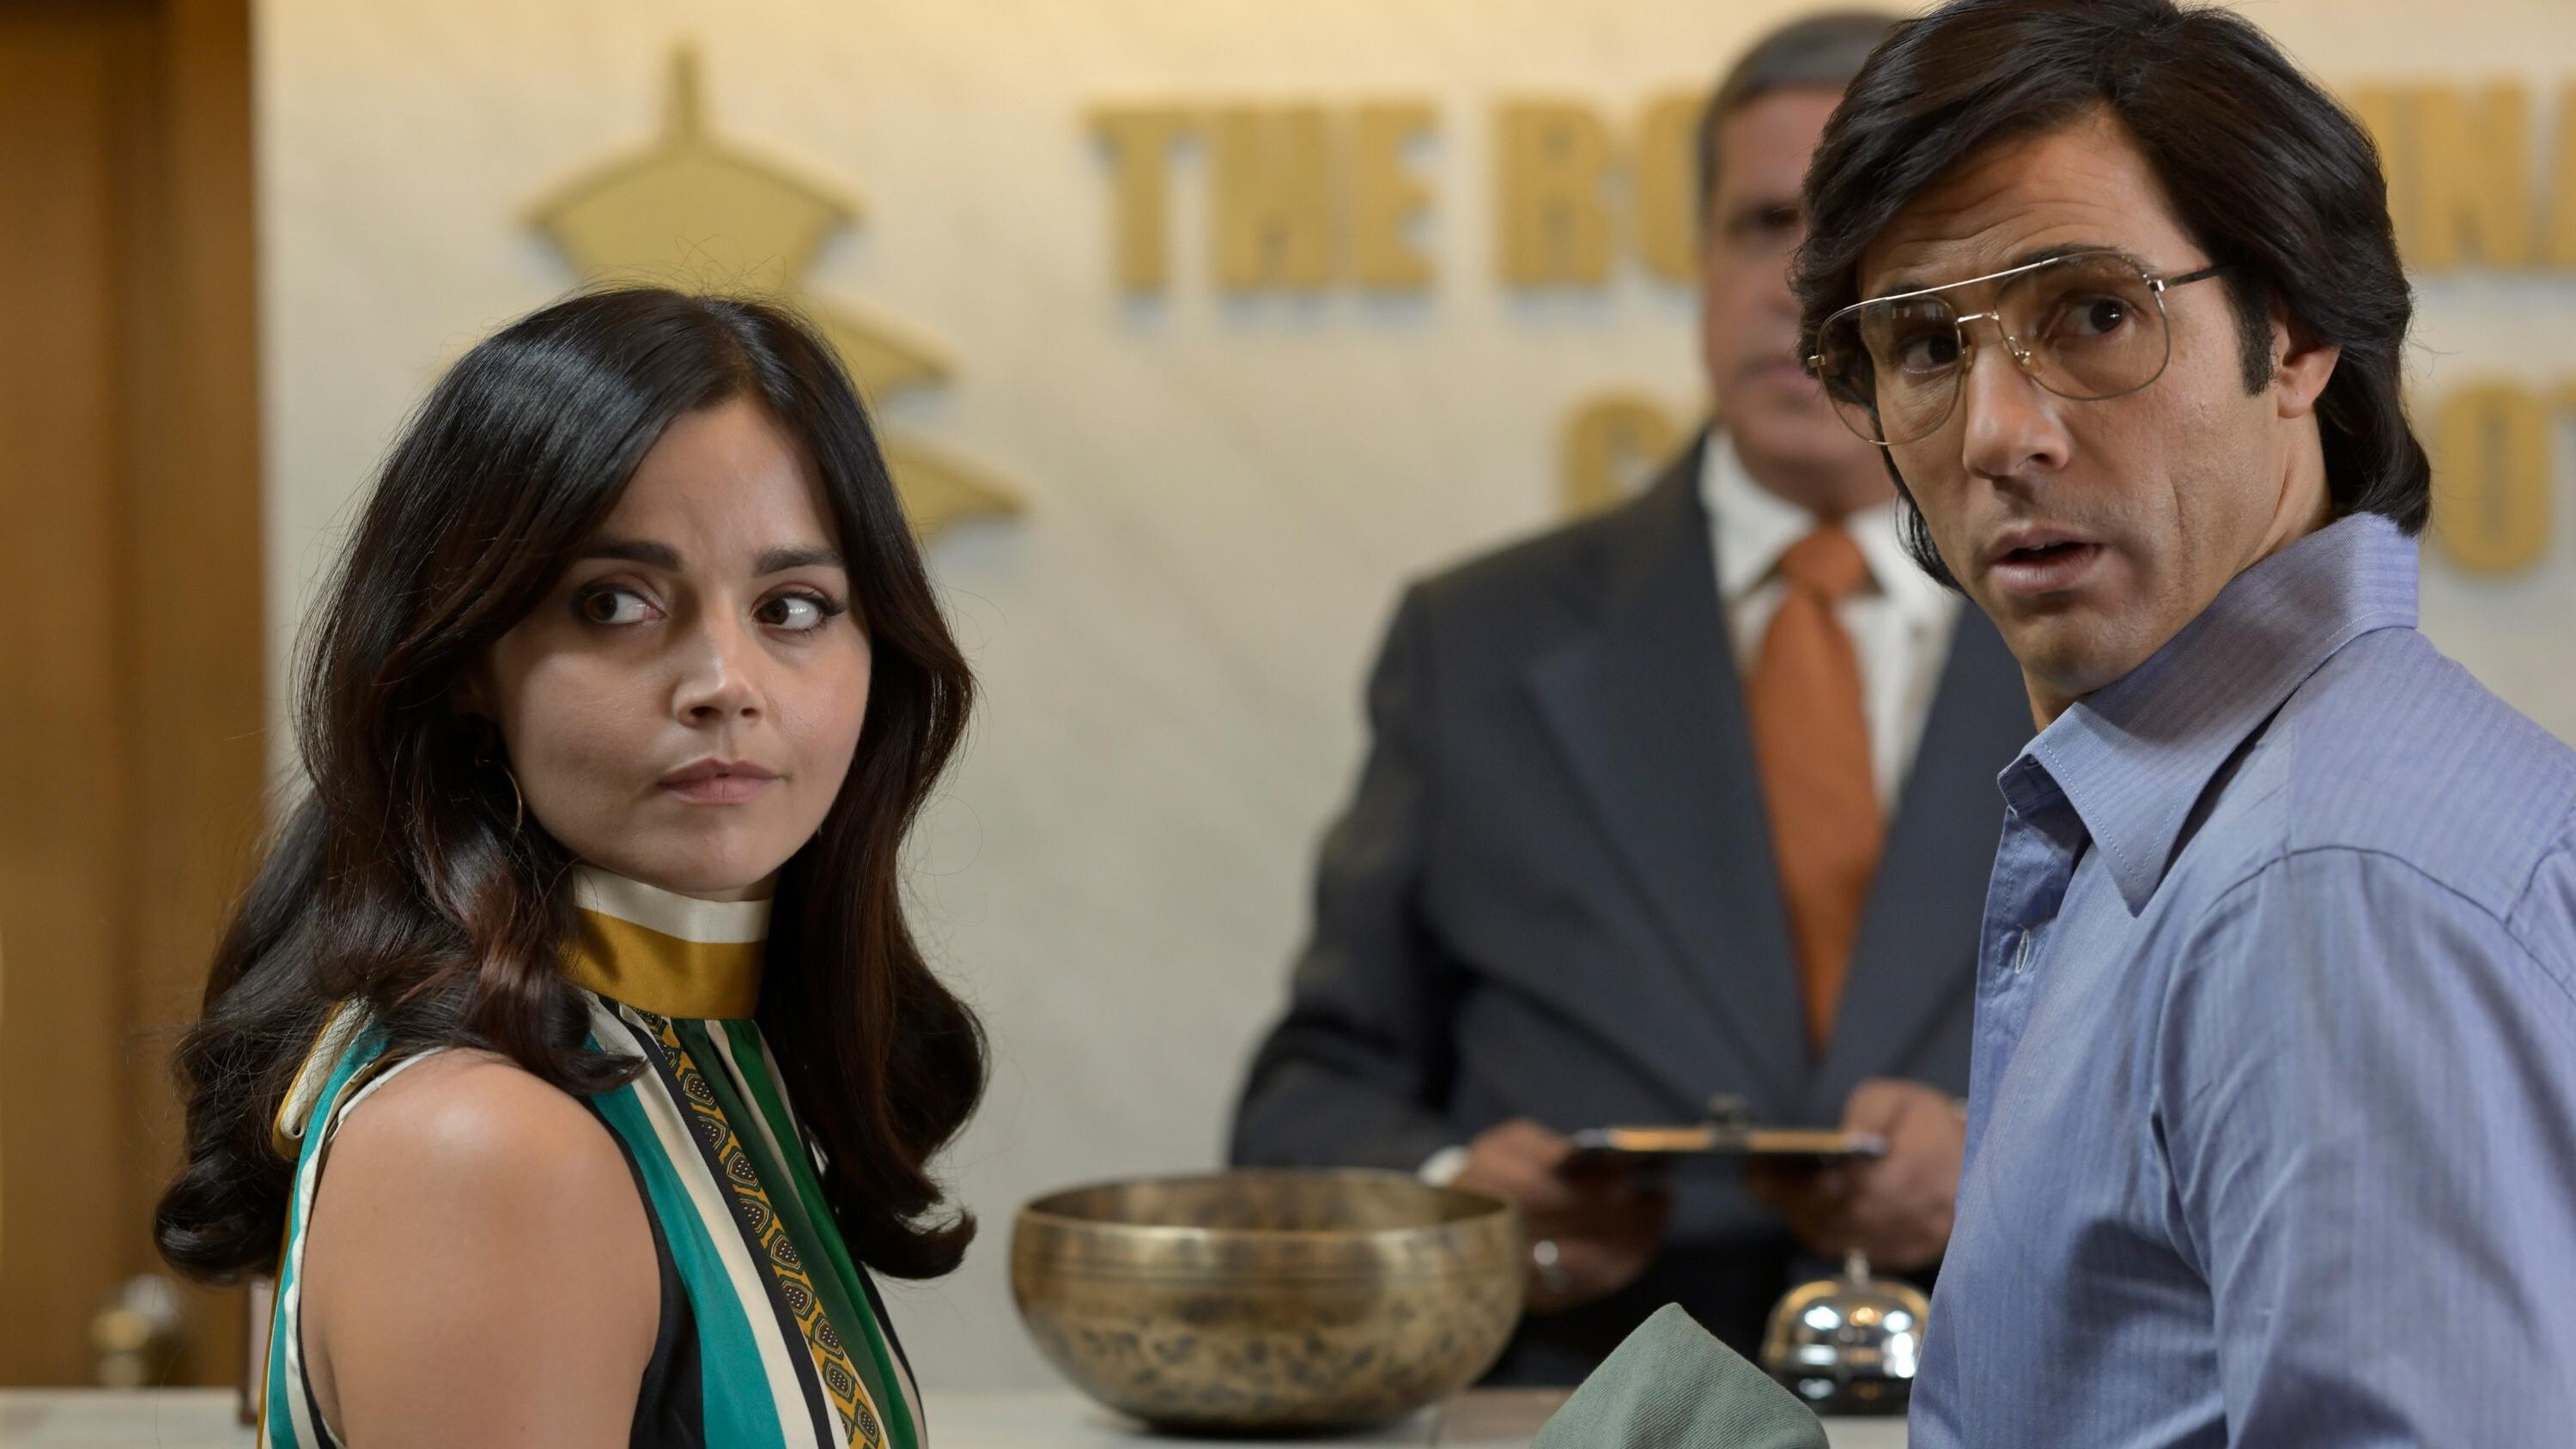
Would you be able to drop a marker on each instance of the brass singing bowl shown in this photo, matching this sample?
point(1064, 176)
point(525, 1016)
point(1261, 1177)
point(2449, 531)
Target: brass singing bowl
point(1269, 1301)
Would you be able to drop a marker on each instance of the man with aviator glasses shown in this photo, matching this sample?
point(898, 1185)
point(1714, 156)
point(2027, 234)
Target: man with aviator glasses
point(2273, 1097)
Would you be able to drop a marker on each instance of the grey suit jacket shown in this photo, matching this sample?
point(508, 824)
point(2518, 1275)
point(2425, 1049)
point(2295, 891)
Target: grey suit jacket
point(1553, 897)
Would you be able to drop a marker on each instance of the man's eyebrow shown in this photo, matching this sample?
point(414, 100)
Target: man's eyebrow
point(635, 550)
point(781, 560)
point(2033, 257)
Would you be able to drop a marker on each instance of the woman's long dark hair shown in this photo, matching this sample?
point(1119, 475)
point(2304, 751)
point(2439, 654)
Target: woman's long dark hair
point(402, 878)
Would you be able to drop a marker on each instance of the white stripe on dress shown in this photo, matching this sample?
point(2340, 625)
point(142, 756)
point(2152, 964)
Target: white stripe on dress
point(321, 1059)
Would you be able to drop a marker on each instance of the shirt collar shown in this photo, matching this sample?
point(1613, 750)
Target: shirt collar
point(2133, 757)
point(1755, 526)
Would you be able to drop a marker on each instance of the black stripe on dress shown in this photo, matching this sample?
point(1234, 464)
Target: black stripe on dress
point(304, 1376)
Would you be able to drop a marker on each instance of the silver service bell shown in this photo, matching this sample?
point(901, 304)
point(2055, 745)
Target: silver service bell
point(1848, 1345)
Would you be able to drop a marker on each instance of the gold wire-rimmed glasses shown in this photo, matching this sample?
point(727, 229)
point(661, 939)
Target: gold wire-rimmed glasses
point(2087, 325)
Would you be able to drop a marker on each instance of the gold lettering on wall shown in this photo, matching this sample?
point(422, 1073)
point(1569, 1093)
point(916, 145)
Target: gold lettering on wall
point(1552, 194)
point(2472, 182)
point(1270, 216)
point(1300, 196)
point(2461, 174)
point(1608, 446)
point(1306, 193)
point(1140, 139)
point(1666, 186)
point(2559, 244)
point(1386, 197)
point(2491, 478)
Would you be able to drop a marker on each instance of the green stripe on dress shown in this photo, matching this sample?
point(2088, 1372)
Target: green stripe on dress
point(902, 1432)
point(729, 1358)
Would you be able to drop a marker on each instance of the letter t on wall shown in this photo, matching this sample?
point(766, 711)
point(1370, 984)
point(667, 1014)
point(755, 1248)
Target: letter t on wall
point(1140, 140)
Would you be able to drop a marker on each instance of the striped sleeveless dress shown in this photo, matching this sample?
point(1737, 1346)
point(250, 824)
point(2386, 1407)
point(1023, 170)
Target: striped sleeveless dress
point(771, 1337)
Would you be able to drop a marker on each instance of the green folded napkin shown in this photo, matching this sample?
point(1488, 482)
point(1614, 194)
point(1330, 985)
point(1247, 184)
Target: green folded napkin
point(1672, 1384)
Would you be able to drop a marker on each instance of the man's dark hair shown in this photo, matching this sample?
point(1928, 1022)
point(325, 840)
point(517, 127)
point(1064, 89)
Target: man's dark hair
point(2265, 171)
point(1820, 52)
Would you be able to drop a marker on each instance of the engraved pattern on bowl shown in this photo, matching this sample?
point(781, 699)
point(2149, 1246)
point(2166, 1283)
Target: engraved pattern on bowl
point(1269, 1300)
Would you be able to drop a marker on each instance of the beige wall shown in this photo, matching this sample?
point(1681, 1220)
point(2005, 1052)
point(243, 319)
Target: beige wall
point(1223, 494)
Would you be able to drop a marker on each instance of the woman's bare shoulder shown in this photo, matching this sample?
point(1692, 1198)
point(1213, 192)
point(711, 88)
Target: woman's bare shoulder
point(475, 1225)
point(475, 1113)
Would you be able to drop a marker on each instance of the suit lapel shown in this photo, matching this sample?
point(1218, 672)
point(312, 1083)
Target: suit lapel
point(1650, 718)
point(1918, 932)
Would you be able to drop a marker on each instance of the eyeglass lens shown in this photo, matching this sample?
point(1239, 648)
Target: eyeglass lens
point(2083, 327)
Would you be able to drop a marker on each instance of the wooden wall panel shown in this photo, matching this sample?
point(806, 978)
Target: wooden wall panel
point(131, 695)
point(63, 1200)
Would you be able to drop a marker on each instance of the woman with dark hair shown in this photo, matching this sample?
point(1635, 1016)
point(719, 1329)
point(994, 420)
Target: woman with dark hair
point(583, 967)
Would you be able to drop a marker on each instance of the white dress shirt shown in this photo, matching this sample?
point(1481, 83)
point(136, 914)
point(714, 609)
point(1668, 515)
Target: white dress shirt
point(1900, 621)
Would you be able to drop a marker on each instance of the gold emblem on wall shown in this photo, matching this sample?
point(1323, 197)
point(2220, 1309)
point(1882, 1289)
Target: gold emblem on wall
point(691, 210)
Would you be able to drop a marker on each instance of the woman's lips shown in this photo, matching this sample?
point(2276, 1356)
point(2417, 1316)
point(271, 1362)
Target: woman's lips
point(720, 789)
point(2028, 573)
point(718, 782)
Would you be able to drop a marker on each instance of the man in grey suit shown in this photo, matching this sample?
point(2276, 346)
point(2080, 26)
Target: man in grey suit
point(1694, 797)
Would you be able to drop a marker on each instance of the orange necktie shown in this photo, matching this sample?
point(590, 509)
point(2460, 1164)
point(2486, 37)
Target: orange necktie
point(1812, 743)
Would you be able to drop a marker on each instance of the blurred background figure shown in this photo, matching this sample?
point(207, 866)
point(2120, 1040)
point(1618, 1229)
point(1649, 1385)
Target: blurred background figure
point(1692, 798)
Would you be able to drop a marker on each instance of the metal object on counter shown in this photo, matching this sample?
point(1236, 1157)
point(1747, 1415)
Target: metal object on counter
point(1848, 1345)
point(1269, 1300)
point(137, 1336)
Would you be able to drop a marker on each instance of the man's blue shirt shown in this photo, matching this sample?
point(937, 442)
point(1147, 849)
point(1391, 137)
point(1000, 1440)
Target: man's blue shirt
point(2272, 1124)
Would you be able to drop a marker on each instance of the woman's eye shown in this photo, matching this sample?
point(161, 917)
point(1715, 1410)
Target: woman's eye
point(612, 605)
point(798, 613)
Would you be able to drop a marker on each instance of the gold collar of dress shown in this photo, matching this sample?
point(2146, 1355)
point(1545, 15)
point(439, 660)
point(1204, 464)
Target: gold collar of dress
point(658, 951)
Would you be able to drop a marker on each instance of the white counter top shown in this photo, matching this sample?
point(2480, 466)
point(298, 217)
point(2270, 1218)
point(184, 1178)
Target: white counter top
point(1486, 1419)
point(1021, 1419)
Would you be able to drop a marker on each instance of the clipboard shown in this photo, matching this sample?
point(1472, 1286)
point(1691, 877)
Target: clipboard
point(1779, 1144)
point(1728, 1133)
